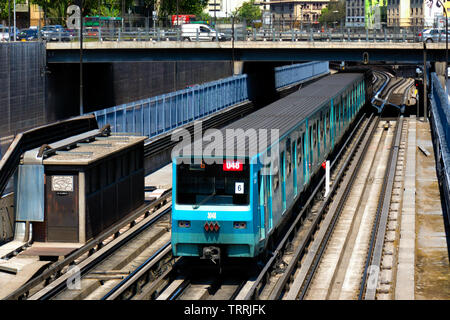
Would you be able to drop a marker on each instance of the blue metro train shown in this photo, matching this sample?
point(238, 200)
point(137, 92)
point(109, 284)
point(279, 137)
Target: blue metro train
point(229, 204)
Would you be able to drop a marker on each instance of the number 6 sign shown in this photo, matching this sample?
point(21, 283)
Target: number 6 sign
point(239, 188)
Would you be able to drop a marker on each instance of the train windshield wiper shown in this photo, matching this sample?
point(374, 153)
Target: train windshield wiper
point(196, 206)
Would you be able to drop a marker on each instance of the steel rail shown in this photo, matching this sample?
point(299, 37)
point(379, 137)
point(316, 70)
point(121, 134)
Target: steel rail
point(379, 228)
point(88, 247)
point(132, 278)
point(253, 292)
point(58, 285)
point(351, 167)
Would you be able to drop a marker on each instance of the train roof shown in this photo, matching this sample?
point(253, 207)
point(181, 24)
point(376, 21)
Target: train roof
point(284, 114)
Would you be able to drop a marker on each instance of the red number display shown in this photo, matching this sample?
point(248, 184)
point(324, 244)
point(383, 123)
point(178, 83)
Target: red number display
point(232, 165)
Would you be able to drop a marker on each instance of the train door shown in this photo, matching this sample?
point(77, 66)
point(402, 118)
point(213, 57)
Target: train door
point(263, 204)
point(299, 163)
point(319, 136)
point(311, 151)
point(305, 158)
point(290, 174)
point(296, 169)
point(268, 202)
point(324, 132)
point(332, 123)
point(283, 180)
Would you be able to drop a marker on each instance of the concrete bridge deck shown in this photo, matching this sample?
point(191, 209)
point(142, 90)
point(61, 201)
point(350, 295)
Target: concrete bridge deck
point(116, 51)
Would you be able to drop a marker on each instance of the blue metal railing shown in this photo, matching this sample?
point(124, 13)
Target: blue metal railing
point(440, 119)
point(295, 73)
point(441, 104)
point(154, 116)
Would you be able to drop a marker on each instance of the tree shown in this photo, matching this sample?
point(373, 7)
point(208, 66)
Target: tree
point(248, 11)
point(334, 12)
point(4, 8)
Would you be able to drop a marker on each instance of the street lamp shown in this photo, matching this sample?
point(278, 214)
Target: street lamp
point(81, 59)
point(446, 44)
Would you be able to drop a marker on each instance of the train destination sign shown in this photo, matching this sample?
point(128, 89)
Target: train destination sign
point(233, 165)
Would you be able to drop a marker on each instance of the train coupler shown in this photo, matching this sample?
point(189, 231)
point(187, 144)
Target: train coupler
point(212, 253)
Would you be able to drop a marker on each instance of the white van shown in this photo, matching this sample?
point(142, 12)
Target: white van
point(190, 31)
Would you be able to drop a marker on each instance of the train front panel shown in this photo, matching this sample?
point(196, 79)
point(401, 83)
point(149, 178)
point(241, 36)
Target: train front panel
point(212, 209)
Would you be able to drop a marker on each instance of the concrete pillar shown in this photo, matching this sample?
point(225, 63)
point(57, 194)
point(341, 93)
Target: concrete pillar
point(238, 67)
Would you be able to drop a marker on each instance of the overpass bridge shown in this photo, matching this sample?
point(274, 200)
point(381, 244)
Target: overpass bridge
point(134, 51)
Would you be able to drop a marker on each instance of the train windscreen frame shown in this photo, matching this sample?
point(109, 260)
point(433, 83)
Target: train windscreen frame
point(218, 184)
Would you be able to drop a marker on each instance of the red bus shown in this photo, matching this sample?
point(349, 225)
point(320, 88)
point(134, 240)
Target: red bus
point(182, 19)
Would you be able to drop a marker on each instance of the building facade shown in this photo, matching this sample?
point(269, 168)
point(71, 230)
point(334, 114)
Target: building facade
point(292, 13)
point(355, 13)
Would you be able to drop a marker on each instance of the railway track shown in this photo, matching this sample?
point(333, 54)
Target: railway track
point(212, 287)
point(152, 273)
point(378, 279)
point(53, 279)
point(323, 255)
point(100, 272)
point(275, 277)
point(341, 263)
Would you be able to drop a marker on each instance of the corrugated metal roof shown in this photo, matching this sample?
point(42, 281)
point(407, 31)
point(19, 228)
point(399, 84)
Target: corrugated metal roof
point(285, 113)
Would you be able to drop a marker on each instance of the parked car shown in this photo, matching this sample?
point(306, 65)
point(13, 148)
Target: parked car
point(4, 34)
point(7, 33)
point(28, 35)
point(189, 32)
point(55, 33)
point(433, 35)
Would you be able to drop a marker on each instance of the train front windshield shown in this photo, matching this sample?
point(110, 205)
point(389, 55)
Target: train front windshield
point(213, 184)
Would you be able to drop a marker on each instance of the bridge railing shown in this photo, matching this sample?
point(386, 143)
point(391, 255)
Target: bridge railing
point(440, 121)
point(310, 34)
point(156, 115)
point(153, 116)
point(291, 74)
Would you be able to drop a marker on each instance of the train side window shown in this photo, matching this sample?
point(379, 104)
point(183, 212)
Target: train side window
point(288, 157)
point(322, 130)
point(299, 151)
point(327, 119)
point(315, 134)
point(276, 179)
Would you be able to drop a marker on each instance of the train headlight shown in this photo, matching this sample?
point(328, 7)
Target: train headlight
point(239, 225)
point(184, 224)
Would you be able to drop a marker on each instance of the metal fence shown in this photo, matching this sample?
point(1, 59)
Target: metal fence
point(440, 120)
point(239, 32)
point(153, 116)
point(290, 74)
point(22, 89)
point(308, 34)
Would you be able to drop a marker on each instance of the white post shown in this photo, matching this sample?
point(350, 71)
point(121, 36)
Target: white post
point(327, 178)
